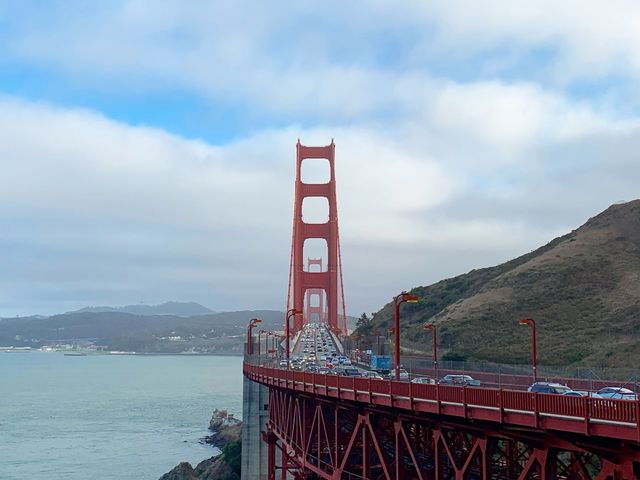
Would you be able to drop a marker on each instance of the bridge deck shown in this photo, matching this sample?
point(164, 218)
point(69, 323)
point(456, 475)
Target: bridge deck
point(582, 415)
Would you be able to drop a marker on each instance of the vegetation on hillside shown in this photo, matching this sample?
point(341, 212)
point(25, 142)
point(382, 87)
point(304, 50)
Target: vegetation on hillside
point(583, 289)
point(231, 455)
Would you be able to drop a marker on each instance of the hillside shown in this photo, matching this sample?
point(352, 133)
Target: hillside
point(583, 289)
point(214, 333)
point(179, 309)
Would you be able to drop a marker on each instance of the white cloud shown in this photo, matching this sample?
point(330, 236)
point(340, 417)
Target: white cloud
point(591, 38)
point(336, 59)
point(435, 175)
point(96, 211)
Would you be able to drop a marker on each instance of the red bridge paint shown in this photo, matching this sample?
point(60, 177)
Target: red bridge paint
point(348, 427)
point(301, 281)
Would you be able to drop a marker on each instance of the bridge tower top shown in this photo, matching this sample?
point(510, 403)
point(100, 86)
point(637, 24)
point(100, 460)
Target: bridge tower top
point(304, 283)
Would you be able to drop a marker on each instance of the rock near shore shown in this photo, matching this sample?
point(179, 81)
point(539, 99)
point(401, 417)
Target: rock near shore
point(214, 468)
point(226, 434)
point(225, 428)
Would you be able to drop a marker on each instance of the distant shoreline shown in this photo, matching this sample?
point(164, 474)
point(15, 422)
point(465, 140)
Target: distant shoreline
point(130, 354)
point(187, 354)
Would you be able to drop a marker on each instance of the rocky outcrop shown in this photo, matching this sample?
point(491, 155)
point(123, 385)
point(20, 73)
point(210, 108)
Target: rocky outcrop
point(225, 428)
point(215, 468)
point(184, 471)
point(226, 434)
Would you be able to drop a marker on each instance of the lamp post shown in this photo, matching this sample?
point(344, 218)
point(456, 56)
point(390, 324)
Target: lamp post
point(272, 350)
point(290, 313)
point(432, 326)
point(260, 341)
point(276, 340)
point(397, 300)
point(267, 344)
point(377, 335)
point(252, 323)
point(532, 323)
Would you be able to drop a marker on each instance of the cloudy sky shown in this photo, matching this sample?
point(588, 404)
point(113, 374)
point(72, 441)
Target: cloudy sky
point(147, 148)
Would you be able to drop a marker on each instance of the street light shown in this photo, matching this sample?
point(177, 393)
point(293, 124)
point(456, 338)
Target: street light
point(432, 326)
point(377, 335)
point(260, 341)
point(397, 300)
point(252, 323)
point(532, 323)
point(276, 340)
point(271, 345)
point(290, 313)
point(267, 344)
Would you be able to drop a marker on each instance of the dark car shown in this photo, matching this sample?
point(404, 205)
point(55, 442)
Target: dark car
point(349, 372)
point(549, 387)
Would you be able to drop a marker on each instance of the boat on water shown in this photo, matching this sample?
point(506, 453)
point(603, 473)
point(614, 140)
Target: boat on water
point(118, 352)
point(75, 354)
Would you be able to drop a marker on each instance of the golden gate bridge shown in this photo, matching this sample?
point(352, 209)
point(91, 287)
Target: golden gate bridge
point(309, 425)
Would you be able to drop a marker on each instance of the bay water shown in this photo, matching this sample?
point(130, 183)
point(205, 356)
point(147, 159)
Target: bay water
point(109, 416)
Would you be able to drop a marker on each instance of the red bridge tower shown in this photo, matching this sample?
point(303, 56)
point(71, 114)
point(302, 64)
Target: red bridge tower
point(329, 281)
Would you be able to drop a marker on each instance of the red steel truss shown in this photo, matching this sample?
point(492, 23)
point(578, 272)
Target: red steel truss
point(330, 281)
point(331, 427)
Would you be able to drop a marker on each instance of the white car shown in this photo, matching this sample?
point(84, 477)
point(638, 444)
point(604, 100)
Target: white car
point(422, 380)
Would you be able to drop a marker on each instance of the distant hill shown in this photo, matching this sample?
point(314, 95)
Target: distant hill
point(222, 332)
point(179, 309)
point(583, 289)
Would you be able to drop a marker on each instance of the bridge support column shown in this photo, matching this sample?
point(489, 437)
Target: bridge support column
point(255, 414)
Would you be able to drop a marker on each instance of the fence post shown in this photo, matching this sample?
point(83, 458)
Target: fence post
point(587, 414)
point(464, 399)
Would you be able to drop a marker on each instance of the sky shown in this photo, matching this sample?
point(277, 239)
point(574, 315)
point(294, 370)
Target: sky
point(147, 149)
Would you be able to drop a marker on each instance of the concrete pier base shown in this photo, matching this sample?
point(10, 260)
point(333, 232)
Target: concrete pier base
point(255, 413)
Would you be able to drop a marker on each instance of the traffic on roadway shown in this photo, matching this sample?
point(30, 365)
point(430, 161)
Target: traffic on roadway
point(317, 351)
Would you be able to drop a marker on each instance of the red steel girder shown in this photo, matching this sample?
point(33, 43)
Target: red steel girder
point(335, 440)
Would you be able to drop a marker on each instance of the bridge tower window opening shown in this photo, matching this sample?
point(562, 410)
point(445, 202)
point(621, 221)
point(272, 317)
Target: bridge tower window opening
point(314, 250)
point(315, 210)
point(315, 171)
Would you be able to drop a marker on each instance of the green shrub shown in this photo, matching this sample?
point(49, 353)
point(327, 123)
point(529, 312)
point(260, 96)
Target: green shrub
point(231, 455)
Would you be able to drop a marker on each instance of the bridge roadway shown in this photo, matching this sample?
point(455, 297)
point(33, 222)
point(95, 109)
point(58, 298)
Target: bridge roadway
point(346, 427)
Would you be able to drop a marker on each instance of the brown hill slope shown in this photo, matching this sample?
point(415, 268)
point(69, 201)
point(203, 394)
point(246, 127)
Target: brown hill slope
point(583, 289)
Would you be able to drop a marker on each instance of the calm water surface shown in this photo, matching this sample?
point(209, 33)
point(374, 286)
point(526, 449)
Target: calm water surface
point(109, 417)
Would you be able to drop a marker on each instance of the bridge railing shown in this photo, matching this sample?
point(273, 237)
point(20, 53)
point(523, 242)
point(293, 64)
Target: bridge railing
point(585, 415)
point(516, 376)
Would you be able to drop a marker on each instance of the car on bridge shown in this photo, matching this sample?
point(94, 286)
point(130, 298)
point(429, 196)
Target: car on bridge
point(580, 393)
point(424, 380)
point(391, 375)
point(618, 393)
point(462, 380)
point(549, 387)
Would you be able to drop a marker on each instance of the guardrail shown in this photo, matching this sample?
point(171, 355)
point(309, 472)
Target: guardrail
point(508, 380)
point(583, 415)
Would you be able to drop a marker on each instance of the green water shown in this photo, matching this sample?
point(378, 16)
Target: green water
point(109, 417)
